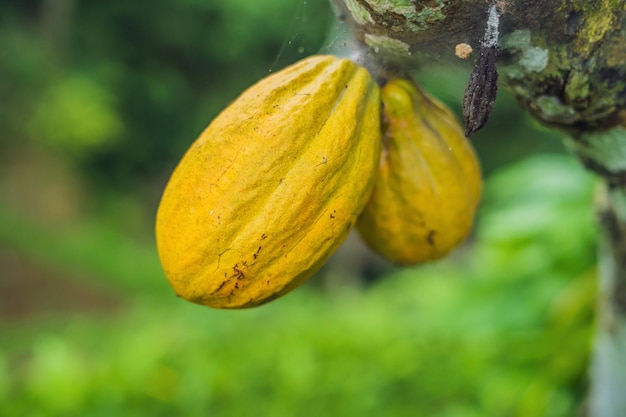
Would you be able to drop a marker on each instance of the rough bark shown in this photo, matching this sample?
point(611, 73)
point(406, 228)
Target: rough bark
point(565, 62)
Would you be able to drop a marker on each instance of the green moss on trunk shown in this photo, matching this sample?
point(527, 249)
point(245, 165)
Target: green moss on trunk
point(563, 60)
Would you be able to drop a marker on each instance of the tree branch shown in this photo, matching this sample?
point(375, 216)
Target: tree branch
point(563, 60)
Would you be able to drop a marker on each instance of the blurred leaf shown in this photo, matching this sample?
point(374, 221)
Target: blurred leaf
point(77, 115)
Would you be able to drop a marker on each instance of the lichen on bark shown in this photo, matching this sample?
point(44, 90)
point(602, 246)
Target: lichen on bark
point(563, 60)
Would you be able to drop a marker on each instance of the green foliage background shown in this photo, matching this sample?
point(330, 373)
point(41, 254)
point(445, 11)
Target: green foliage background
point(100, 99)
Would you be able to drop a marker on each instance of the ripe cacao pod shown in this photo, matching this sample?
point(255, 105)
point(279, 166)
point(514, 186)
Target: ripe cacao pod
point(429, 184)
point(272, 186)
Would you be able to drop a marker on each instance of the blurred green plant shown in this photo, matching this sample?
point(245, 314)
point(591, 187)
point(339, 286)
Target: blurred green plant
point(503, 328)
point(145, 81)
point(77, 115)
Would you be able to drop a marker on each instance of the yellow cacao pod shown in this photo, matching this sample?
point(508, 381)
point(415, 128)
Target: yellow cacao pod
point(272, 186)
point(429, 184)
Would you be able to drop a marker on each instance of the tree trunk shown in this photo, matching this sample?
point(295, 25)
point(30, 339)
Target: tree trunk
point(565, 62)
point(608, 368)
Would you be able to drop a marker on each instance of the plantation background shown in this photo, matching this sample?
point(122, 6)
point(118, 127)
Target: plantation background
point(100, 99)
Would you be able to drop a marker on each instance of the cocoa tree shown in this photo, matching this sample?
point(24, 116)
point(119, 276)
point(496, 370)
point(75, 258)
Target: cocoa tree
point(564, 61)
